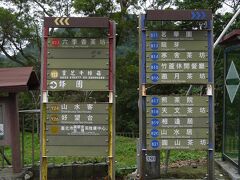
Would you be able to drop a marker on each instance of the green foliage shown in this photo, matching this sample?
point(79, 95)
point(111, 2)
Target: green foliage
point(96, 8)
point(125, 154)
point(127, 81)
point(199, 4)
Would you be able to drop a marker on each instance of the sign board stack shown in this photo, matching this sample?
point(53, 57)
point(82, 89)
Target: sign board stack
point(78, 128)
point(175, 56)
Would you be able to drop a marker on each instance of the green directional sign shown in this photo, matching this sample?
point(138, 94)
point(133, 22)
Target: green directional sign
point(67, 74)
point(77, 129)
point(191, 144)
point(78, 43)
point(156, 100)
point(177, 56)
point(176, 46)
point(177, 133)
point(177, 35)
point(178, 111)
point(79, 63)
point(85, 151)
point(72, 53)
point(77, 108)
point(85, 118)
point(177, 122)
point(174, 67)
point(77, 85)
point(77, 140)
point(177, 78)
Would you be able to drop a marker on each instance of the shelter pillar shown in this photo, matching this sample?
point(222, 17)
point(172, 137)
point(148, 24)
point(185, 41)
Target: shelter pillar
point(15, 132)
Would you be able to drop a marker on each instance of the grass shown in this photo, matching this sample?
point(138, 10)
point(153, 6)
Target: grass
point(125, 154)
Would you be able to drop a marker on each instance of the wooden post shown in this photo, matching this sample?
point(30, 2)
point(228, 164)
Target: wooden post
point(15, 133)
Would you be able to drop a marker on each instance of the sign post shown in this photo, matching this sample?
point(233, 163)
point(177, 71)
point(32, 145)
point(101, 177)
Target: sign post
point(78, 63)
point(172, 55)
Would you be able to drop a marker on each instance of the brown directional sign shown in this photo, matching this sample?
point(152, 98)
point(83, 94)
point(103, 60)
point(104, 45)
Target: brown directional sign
point(177, 46)
point(77, 74)
point(84, 118)
point(77, 108)
point(72, 53)
point(78, 43)
point(177, 56)
point(177, 35)
point(180, 78)
point(177, 133)
point(77, 85)
point(178, 111)
point(80, 63)
point(191, 144)
point(84, 151)
point(77, 129)
point(170, 66)
point(84, 22)
point(156, 100)
point(177, 122)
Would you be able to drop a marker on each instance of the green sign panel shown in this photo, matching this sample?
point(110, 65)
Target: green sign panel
point(77, 85)
point(84, 118)
point(79, 63)
point(77, 140)
point(178, 111)
point(177, 122)
point(79, 125)
point(155, 100)
point(72, 53)
point(177, 78)
point(85, 151)
point(177, 133)
point(77, 108)
point(177, 56)
point(191, 67)
point(78, 42)
point(77, 74)
point(191, 144)
point(177, 35)
point(77, 129)
point(177, 46)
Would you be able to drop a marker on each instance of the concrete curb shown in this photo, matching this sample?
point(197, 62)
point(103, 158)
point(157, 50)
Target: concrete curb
point(229, 169)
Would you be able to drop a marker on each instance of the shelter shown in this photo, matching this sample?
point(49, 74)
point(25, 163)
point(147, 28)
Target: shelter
point(12, 81)
point(231, 100)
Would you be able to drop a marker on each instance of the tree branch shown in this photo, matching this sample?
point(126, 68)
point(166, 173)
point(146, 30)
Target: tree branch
point(42, 7)
point(13, 58)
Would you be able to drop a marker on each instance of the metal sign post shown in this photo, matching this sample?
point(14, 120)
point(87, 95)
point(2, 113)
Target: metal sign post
point(175, 56)
point(78, 64)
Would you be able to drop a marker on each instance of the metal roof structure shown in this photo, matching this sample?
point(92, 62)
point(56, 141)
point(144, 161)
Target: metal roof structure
point(18, 79)
point(231, 38)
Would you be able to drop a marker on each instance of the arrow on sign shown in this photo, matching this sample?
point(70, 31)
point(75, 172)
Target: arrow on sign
point(53, 85)
point(56, 21)
point(61, 21)
point(198, 15)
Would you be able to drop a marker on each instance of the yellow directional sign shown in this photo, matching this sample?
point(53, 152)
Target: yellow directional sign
point(61, 21)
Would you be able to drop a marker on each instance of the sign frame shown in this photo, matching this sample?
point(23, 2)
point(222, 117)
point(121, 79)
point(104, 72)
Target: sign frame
point(173, 15)
point(108, 54)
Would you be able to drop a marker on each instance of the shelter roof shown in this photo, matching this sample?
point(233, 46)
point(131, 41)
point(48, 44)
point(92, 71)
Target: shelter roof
point(232, 38)
point(18, 79)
